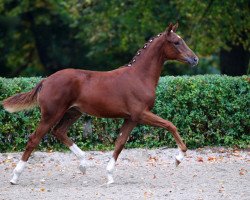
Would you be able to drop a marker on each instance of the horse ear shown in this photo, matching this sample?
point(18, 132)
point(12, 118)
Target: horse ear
point(175, 27)
point(169, 28)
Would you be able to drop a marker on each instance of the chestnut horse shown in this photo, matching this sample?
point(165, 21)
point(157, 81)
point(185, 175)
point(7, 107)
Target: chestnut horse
point(127, 92)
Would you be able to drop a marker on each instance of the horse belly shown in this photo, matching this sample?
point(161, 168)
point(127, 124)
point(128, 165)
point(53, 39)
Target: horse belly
point(103, 108)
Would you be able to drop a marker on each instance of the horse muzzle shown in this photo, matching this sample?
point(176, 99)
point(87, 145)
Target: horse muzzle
point(192, 61)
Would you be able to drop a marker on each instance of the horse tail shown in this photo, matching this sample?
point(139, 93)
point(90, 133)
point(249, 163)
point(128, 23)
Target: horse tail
point(22, 101)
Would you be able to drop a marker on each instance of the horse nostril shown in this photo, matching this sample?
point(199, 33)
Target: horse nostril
point(192, 60)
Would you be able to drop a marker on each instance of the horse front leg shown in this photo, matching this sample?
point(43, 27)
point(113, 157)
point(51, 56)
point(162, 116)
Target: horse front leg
point(151, 119)
point(125, 131)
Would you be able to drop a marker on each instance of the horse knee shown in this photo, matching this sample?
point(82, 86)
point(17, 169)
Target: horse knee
point(171, 127)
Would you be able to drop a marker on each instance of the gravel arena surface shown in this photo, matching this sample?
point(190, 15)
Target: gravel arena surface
point(210, 173)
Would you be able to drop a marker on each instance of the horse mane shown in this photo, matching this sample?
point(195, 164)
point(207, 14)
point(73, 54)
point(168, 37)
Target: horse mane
point(138, 53)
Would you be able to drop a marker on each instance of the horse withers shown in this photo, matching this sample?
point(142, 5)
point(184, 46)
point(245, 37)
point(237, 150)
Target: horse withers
point(127, 92)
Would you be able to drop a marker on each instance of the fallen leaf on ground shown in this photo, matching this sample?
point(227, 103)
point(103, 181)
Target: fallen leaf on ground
point(242, 171)
point(42, 180)
point(90, 158)
point(199, 159)
point(222, 150)
point(7, 161)
point(13, 164)
point(152, 159)
point(236, 154)
point(210, 158)
point(147, 194)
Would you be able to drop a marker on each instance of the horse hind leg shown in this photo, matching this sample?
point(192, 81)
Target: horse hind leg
point(60, 132)
point(46, 123)
point(61, 129)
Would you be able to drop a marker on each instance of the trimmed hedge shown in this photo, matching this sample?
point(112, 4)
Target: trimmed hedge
point(208, 110)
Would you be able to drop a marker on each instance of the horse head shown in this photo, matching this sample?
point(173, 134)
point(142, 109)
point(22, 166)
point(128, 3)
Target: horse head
point(176, 48)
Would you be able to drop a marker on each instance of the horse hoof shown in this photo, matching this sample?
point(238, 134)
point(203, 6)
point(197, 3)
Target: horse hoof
point(82, 167)
point(110, 182)
point(177, 162)
point(110, 178)
point(13, 182)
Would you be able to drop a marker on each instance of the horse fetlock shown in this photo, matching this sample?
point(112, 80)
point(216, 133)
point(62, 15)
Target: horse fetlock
point(77, 151)
point(179, 157)
point(110, 168)
point(14, 179)
point(110, 178)
point(20, 167)
point(111, 165)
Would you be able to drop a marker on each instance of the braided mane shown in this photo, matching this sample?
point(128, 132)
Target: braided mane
point(138, 53)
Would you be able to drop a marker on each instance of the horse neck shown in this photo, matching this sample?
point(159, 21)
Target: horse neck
point(149, 63)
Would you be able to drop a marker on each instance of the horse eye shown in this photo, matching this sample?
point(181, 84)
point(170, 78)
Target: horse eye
point(176, 43)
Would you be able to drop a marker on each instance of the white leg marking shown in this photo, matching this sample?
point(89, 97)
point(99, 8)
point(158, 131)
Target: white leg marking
point(77, 151)
point(81, 156)
point(180, 156)
point(17, 172)
point(110, 169)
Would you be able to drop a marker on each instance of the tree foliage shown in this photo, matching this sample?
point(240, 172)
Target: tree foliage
point(43, 36)
point(214, 24)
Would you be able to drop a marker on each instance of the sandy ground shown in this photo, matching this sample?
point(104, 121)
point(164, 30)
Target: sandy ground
point(140, 174)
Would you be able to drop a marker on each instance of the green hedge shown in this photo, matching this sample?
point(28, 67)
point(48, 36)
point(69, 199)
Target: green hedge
point(208, 110)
